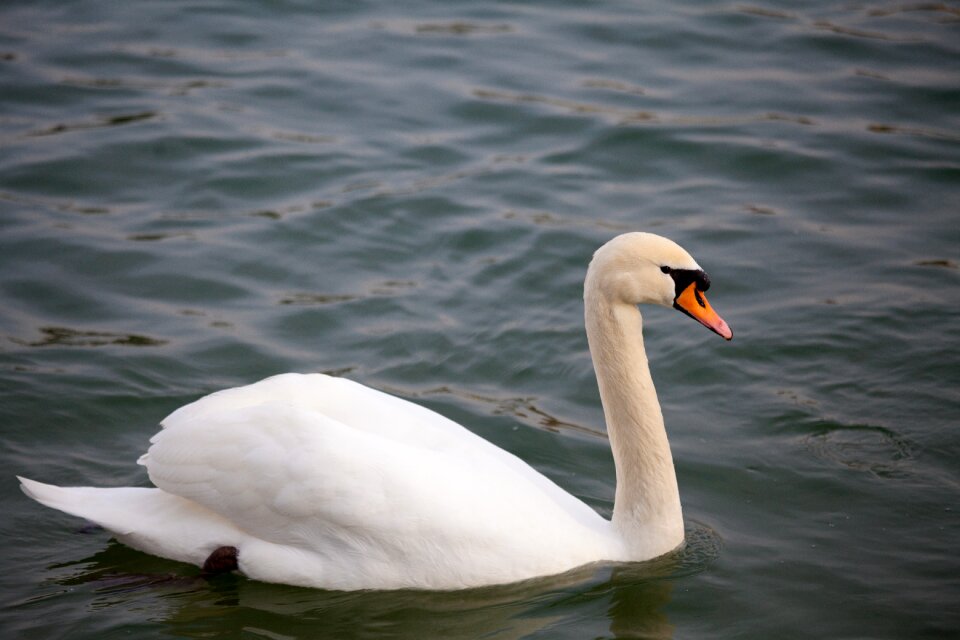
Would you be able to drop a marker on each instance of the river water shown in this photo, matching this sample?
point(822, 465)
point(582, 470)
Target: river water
point(196, 195)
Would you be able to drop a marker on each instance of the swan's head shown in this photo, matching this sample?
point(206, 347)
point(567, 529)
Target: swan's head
point(644, 268)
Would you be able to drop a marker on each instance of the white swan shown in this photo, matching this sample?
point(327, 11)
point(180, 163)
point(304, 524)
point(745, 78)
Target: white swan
point(321, 482)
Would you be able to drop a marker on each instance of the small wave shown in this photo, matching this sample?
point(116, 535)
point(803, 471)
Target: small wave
point(314, 299)
point(107, 121)
point(63, 336)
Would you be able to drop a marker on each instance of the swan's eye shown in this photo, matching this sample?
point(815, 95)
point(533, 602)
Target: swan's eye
point(665, 269)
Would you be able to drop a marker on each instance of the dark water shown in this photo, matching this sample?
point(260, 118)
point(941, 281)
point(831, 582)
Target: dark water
point(195, 195)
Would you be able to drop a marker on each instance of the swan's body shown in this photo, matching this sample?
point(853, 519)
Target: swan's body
point(322, 482)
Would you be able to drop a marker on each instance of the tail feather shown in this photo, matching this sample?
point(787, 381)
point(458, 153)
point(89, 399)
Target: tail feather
point(97, 505)
point(147, 519)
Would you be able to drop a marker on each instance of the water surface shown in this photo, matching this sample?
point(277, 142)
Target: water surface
point(197, 195)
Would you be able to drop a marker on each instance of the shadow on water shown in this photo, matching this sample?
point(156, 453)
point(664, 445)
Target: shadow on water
point(626, 600)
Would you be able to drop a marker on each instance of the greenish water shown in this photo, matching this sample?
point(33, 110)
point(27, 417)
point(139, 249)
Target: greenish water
point(197, 195)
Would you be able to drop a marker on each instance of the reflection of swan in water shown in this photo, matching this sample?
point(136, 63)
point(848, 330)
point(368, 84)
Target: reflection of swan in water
point(316, 481)
point(617, 601)
point(620, 601)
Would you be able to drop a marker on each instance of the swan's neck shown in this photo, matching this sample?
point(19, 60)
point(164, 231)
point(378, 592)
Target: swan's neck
point(646, 512)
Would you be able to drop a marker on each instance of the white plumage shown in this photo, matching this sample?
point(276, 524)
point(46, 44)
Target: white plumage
point(322, 482)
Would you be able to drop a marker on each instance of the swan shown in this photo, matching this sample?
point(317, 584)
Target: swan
point(317, 481)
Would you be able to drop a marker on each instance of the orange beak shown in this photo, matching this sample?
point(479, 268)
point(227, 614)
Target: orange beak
point(693, 303)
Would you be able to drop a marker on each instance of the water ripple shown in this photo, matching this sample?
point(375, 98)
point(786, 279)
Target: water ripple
point(105, 121)
point(64, 336)
point(874, 449)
